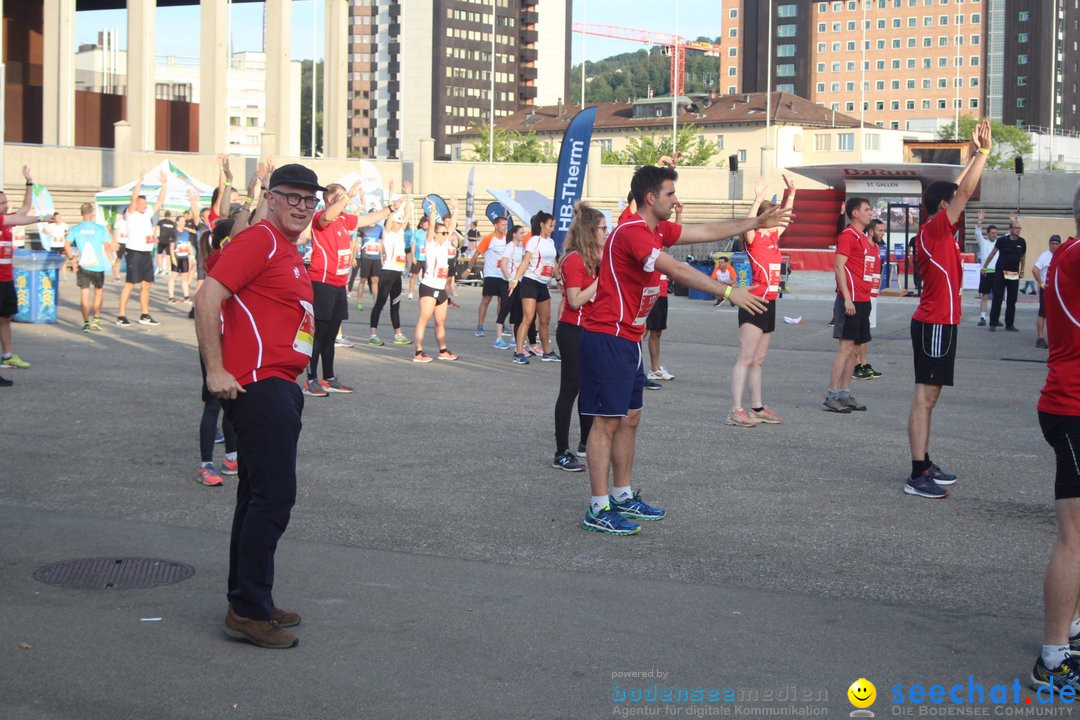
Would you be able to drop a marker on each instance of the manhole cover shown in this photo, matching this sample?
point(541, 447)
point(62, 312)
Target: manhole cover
point(111, 572)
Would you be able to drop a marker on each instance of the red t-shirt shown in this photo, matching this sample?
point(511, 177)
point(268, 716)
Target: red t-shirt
point(1061, 297)
point(212, 217)
point(764, 252)
point(575, 275)
point(7, 252)
point(629, 282)
point(625, 215)
point(331, 249)
point(942, 272)
point(268, 324)
point(862, 264)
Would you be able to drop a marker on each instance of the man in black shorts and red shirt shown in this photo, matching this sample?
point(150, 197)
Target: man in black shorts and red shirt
point(934, 324)
point(857, 261)
point(1058, 664)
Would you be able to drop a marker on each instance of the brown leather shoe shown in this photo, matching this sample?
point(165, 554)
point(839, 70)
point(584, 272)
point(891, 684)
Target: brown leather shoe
point(264, 633)
point(285, 618)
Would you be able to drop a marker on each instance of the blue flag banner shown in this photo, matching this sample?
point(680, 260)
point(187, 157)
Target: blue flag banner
point(441, 209)
point(494, 211)
point(570, 176)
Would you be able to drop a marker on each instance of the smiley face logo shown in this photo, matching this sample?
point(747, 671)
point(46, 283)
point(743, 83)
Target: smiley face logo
point(862, 693)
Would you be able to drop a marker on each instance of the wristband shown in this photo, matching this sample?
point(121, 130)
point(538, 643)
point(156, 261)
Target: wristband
point(727, 293)
point(227, 184)
point(30, 183)
point(982, 151)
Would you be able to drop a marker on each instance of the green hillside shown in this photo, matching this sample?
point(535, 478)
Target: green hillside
point(627, 77)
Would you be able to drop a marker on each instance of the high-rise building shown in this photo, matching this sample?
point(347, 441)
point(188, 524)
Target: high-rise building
point(1031, 64)
point(424, 68)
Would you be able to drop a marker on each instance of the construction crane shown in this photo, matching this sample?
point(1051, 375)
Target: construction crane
point(673, 46)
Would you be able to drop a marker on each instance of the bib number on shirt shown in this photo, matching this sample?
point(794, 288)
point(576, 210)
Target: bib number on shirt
point(440, 273)
point(546, 270)
point(649, 296)
point(774, 277)
point(344, 261)
point(305, 334)
point(1012, 275)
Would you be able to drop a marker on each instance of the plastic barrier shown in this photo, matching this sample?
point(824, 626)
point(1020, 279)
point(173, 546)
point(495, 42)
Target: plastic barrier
point(37, 276)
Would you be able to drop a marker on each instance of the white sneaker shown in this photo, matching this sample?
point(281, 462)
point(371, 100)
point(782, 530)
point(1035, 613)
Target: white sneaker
point(663, 374)
point(410, 296)
point(650, 375)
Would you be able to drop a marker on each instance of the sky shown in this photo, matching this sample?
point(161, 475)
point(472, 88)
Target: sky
point(696, 17)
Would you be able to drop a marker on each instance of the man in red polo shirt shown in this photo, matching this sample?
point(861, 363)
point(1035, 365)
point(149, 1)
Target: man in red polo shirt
point(934, 324)
point(1058, 664)
point(256, 325)
point(612, 373)
point(333, 253)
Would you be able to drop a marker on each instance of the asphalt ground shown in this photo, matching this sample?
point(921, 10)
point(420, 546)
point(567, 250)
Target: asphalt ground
point(438, 559)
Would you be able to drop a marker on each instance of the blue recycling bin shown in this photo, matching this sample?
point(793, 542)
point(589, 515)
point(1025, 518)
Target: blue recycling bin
point(707, 268)
point(37, 275)
point(744, 274)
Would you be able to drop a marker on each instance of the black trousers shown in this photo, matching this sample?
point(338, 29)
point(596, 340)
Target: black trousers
point(389, 288)
point(568, 337)
point(267, 422)
point(1001, 287)
point(331, 308)
point(208, 430)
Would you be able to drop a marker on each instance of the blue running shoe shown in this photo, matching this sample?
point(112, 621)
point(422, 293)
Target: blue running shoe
point(940, 476)
point(521, 359)
point(609, 521)
point(218, 438)
point(1067, 675)
point(479, 331)
point(924, 486)
point(550, 357)
point(633, 507)
point(501, 344)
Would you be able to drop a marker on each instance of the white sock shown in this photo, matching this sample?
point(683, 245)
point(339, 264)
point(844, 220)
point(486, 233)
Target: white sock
point(598, 503)
point(209, 465)
point(982, 316)
point(231, 457)
point(1054, 655)
point(621, 494)
point(1074, 629)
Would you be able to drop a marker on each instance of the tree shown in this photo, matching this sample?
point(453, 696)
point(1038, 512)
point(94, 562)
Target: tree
point(512, 146)
point(648, 149)
point(1009, 141)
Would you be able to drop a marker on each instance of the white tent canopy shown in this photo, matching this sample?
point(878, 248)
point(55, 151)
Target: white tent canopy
point(116, 200)
point(375, 195)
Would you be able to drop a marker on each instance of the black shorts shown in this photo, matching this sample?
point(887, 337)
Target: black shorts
point(439, 295)
point(163, 248)
point(854, 327)
point(766, 320)
point(90, 278)
point(330, 302)
point(418, 267)
point(9, 301)
point(495, 287)
point(1063, 434)
point(657, 319)
point(140, 266)
point(986, 283)
point(183, 265)
point(529, 288)
point(934, 348)
point(1042, 304)
point(370, 267)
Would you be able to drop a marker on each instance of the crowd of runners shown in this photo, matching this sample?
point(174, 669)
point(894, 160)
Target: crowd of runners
point(268, 274)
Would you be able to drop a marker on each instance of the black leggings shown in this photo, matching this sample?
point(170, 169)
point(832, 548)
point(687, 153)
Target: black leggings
point(208, 430)
point(568, 337)
point(1004, 290)
point(504, 310)
point(389, 287)
point(333, 304)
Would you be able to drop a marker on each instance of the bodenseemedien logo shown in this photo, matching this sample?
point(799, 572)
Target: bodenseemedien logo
point(862, 694)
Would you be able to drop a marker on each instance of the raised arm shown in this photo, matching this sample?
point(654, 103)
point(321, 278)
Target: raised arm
point(720, 229)
point(136, 191)
point(160, 202)
point(969, 178)
point(760, 188)
point(789, 200)
point(28, 196)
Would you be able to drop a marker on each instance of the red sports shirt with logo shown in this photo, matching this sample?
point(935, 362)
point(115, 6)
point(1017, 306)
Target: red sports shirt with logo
point(331, 249)
point(863, 263)
point(1061, 297)
point(764, 252)
point(575, 275)
point(942, 270)
point(268, 324)
point(629, 282)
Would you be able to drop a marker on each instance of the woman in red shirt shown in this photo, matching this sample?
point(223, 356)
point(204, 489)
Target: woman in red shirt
point(755, 331)
point(577, 273)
